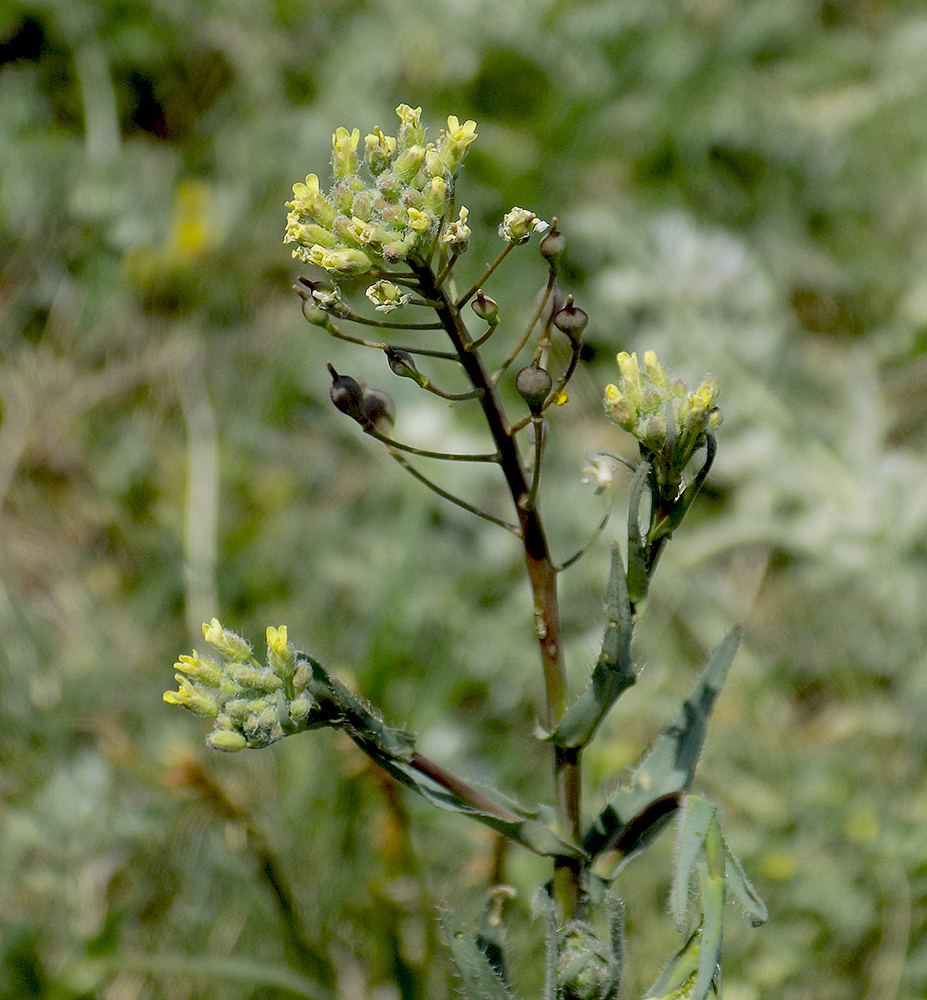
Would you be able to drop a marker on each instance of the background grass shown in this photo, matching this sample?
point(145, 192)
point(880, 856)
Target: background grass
point(743, 188)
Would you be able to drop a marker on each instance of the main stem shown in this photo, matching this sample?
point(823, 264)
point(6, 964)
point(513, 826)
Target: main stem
point(542, 574)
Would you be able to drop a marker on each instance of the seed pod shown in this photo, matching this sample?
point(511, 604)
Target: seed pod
point(347, 395)
point(553, 245)
point(401, 364)
point(533, 384)
point(571, 321)
point(377, 406)
point(486, 308)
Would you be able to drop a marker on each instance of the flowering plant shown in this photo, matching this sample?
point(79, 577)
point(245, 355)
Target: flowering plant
point(395, 219)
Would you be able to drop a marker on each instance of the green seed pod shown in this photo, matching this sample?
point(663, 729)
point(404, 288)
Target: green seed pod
point(401, 364)
point(486, 308)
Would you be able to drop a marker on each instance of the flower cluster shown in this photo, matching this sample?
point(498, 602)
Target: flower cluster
point(252, 705)
point(668, 420)
point(360, 224)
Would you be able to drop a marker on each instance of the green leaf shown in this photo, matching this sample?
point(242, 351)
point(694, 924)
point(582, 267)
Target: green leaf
point(678, 972)
point(477, 975)
point(613, 673)
point(712, 890)
point(697, 816)
point(669, 766)
point(394, 751)
point(742, 888)
point(682, 506)
point(543, 905)
point(638, 577)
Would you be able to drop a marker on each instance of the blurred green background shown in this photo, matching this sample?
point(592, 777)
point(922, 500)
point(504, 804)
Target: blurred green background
point(744, 189)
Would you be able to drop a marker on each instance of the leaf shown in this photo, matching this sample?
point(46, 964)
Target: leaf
point(742, 888)
point(678, 971)
point(682, 506)
point(477, 975)
point(543, 905)
point(712, 890)
point(697, 816)
point(669, 766)
point(613, 673)
point(638, 577)
point(394, 751)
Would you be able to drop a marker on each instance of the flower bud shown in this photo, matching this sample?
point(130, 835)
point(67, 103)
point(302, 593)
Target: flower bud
point(226, 739)
point(437, 196)
point(533, 384)
point(347, 395)
point(407, 163)
point(254, 678)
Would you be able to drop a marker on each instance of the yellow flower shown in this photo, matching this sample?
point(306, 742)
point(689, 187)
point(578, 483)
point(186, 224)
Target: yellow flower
point(421, 222)
point(308, 199)
point(226, 642)
point(411, 131)
point(344, 156)
point(457, 235)
point(281, 656)
point(200, 669)
point(187, 696)
point(380, 150)
point(454, 143)
point(276, 638)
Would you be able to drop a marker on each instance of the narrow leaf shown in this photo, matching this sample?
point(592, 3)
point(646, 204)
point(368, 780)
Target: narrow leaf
point(638, 578)
point(543, 905)
point(615, 908)
point(742, 888)
point(613, 673)
point(394, 751)
point(712, 890)
point(682, 506)
point(478, 977)
point(669, 766)
point(678, 971)
point(697, 815)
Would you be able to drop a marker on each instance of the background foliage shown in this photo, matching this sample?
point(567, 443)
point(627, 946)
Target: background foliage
point(744, 189)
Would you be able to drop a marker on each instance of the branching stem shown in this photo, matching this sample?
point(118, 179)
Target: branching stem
point(484, 277)
point(568, 875)
point(454, 499)
point(446, 456)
